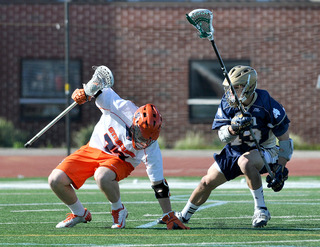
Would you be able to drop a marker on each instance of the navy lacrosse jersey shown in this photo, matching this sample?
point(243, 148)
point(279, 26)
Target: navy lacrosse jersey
point(269, 121)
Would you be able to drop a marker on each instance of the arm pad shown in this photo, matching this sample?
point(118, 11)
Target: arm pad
point(286, 148)
point(224, 134)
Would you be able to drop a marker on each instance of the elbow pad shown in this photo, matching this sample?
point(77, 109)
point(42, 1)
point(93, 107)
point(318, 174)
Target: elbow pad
point(224, 134)
point(286, 149)
point(161, 190)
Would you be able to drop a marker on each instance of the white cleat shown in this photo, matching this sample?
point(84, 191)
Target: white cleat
point(119, 217)
point(73, 219)
point(260, 217)
point(181, 218)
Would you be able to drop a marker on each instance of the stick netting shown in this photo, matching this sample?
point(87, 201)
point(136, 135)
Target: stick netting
point(101, 78)
point(201, 19)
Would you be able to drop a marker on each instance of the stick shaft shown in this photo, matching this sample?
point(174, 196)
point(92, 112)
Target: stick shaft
point(225, 73)
point(41, 132)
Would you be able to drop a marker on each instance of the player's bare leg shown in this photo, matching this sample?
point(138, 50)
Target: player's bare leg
point(209, 182)
point(250, 164)
point(106, 180)
point(200, 195)
point(60, 184)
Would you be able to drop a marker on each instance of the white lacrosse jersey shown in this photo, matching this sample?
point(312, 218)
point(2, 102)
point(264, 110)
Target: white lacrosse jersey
point(111, 134)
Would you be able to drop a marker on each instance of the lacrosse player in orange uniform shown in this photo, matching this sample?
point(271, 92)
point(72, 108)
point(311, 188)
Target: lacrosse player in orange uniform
point(124, 137)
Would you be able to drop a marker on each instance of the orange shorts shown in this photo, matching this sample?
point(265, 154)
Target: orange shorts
point(82, 164)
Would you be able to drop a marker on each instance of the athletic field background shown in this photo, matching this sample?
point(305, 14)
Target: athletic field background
point(30, 210)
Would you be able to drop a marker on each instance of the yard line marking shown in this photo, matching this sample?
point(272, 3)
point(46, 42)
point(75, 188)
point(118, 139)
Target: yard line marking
point(303, 220)
point(148, 225)
point(273, 217)
point(60, 203)
point(153, 223)
point(177, 244)
point(263, 234)
point(146, 185)
point(36, 210)
point(151, 215)
point(155, 202)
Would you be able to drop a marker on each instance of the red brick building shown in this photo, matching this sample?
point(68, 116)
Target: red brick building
point(151, 48)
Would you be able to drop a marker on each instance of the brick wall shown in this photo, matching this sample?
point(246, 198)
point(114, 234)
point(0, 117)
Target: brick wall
point(148, 47)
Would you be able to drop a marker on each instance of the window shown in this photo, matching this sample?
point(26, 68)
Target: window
point(42, 88)
point(205, 88)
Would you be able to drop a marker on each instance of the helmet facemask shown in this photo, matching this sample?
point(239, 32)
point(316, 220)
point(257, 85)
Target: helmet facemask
point(146, 126)
point(244, 82)
point(138, 141)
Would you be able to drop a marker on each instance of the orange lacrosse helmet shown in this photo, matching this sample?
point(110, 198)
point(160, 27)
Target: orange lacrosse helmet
point(146, 126)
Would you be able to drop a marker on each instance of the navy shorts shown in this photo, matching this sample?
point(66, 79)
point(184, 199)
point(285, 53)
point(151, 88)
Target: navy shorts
point(228, 163)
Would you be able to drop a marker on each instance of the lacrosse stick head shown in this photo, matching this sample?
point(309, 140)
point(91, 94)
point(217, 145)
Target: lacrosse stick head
point(102, 78)
point(201, 19)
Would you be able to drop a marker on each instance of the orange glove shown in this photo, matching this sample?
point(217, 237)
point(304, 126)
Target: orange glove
point(80, 96)
point(173, 222)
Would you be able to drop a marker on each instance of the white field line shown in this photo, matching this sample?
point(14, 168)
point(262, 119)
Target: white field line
point(60, 203)
point(215, 244)
point(153, 223)
point(174, 200)
point(146, 185)
point(36, 210)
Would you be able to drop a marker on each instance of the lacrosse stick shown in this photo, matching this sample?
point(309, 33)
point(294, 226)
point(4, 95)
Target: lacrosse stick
point(201, 19)
point(102, 78)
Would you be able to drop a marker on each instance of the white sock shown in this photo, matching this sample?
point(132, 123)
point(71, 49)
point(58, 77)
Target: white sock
point(258, 198)
point(77, 208)
point(189, 210)
point(116, 205)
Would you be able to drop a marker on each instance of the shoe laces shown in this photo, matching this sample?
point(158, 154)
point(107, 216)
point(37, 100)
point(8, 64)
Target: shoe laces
point(70, 216)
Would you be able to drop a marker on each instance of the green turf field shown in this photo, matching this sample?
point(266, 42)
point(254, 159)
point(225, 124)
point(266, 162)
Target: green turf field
point(30, 211)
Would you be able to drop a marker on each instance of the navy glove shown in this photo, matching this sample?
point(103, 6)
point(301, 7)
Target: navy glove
point(280, 176)
point(241, 122)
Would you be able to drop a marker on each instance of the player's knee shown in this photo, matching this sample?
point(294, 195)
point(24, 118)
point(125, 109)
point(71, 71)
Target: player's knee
point(104, 175)
point(248, 168)
point(51, 180)
point(244, 163)
point(250, 162)
point(58, 178)
point(206, 183)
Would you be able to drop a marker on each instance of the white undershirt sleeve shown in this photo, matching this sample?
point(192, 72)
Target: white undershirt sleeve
point(225, 135)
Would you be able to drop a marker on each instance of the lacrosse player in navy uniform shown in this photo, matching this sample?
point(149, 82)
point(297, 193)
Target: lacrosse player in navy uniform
point(240, 156)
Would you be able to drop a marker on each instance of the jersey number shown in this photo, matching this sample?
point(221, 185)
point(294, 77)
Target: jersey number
point(247, 138)
point(117, 148)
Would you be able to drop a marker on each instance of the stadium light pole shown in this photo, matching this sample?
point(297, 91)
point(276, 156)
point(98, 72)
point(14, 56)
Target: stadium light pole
point(66, 71)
